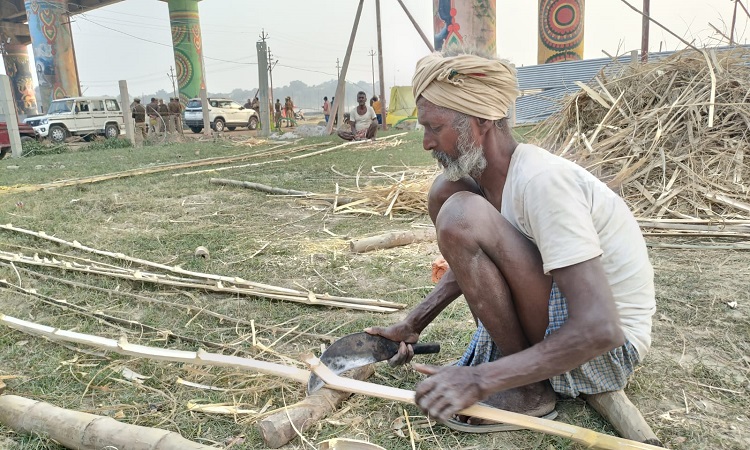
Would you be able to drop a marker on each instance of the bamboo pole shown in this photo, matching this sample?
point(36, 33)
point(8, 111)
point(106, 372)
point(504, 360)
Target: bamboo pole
point(417, 27)
point(280, 191)
point(123, 347)
point(590, 438)
point(383, 110)
point(84, 431)
point(390, 240)
point(342, 76)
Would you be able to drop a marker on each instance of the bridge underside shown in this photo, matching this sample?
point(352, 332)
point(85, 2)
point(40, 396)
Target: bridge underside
point(13, 16)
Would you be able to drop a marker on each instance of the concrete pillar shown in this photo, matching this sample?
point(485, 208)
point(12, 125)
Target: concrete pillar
point(22, 85)
point(465, 22)
point(188, 47)
point(560, 31)
point(54, 55)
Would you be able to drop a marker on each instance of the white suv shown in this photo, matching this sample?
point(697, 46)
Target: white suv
point(222, 112)
point(80, 116)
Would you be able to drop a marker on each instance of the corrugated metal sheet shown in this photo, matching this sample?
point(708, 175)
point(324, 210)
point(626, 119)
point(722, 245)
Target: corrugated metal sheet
point(558, 80)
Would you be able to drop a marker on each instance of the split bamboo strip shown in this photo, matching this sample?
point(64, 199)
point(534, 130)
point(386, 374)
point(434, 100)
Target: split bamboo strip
point(590, 438)
point(308, 298)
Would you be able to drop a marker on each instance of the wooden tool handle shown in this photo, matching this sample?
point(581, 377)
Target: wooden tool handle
point(427, 348)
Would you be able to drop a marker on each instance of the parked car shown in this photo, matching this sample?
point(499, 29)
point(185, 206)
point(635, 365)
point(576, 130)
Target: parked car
point(80, 116)
point(222, 113)
point(27, 134)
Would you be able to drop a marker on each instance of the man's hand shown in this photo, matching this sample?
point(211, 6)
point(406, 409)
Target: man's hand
point(447, 391)
point(401, 332)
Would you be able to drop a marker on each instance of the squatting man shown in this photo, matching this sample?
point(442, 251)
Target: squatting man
point(550, 261)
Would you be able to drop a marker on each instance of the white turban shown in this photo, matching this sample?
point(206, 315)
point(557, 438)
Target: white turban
point(470, 84)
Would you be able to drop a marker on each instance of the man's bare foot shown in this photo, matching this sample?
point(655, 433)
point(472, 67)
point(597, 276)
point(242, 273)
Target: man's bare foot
point(535, 400)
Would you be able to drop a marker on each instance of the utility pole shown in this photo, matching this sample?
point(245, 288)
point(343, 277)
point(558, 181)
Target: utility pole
point(271, 63)
point(372, 60)
point(380, 65)
point(644, 30)
point(342, 98)
point(173, 77)
point(265, 113)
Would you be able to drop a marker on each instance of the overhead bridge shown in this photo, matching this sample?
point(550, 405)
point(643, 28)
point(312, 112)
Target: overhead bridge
point(45, 24)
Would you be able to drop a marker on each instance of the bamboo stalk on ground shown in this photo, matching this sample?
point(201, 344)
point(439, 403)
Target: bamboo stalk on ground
point(308, 298)
point(391, 239)
point(213, 282)
point(123, 347)
point(84, 431)
point(190, 309)
point(279, 191)
point(128, 173)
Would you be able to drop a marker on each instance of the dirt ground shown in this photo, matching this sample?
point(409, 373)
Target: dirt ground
point(692, 388)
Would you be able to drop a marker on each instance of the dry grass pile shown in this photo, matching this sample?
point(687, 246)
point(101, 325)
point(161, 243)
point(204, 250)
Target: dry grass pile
point(669, 135)
point(385, 193)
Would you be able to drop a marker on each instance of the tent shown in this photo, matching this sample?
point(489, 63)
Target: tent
point(402, 105)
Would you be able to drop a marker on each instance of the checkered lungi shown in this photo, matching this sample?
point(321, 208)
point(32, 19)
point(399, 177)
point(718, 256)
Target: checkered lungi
point(607, 372)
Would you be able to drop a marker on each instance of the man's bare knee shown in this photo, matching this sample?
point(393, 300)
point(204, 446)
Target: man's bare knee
point(454, 221)
point(442, 189)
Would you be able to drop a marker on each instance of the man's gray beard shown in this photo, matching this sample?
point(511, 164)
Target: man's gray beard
point(470, 161)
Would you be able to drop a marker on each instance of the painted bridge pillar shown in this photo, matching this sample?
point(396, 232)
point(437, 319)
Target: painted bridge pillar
point(465, 22)
point(19, 71)
point(54, 55)
point(188, 47)
point(560, 31)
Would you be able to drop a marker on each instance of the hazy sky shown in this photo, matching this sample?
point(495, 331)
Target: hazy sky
point(308, 35)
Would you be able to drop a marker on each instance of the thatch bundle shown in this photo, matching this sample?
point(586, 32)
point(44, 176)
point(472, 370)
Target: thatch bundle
point(670, 136)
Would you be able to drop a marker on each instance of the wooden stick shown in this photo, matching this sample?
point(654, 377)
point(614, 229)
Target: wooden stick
point(392, 239)
point(341, 85)
point(417, 27)
point(660, 25)
point(617, 408)
point(283, 426)
point(84, 431)
point(590, 438)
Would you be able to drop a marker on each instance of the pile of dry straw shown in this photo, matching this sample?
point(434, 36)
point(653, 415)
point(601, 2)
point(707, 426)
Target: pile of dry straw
point(670, 136)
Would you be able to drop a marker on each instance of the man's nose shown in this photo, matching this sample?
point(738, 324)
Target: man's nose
point(428, 143)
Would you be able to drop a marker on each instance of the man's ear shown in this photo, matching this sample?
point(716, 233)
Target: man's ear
point(483, 125)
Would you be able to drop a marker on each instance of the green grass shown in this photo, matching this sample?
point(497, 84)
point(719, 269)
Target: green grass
point(287, 242)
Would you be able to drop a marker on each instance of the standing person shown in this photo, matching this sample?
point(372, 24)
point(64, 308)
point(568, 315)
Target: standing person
point(289, 112)
point(551, 261)
point(326, 108)
point(152, 115)
point(255, 104)
point(139, 115)
point(378, 107)
point(175, 114)
point(277, 114)
point(163, 112)
point(248, 104)
point(363, 121)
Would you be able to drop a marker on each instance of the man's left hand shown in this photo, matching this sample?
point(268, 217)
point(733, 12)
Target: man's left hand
point(448, 390)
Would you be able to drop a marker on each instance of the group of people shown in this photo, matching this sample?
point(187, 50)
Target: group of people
point(284, 112)
point(157, 117)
